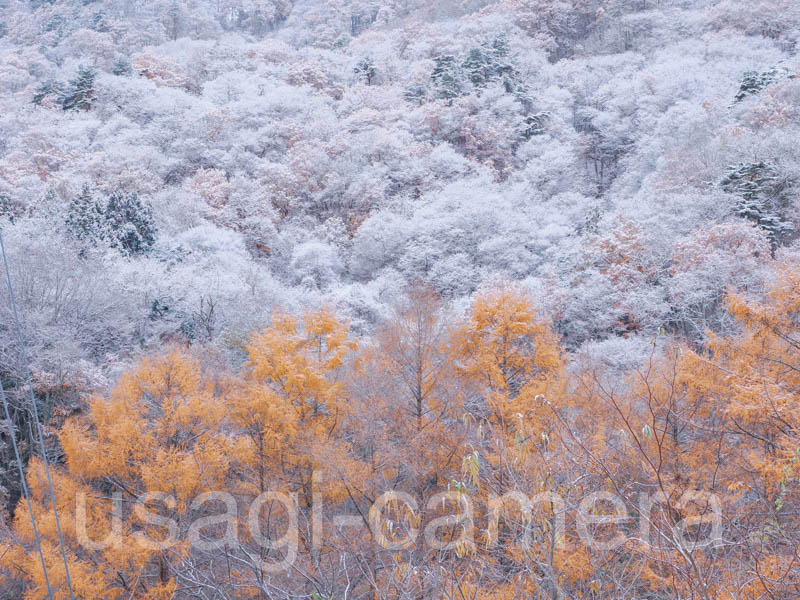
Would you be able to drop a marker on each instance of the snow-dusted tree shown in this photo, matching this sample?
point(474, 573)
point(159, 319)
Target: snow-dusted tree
point(535, 124)
point(447, 77)
point(122, 67)
point(9, 209)
point(753, 82)
point(122, 220)
point(365, 70)
point(85, 218)
point(712, 260)
point(316, 264)
point(80, 93)
point(489, 62)
point(762, 197)
point(129, 223)
point(46, 89)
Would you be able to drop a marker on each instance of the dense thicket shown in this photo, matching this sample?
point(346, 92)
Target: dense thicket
point(310, 151)
point(533, 473)
point(182, 172)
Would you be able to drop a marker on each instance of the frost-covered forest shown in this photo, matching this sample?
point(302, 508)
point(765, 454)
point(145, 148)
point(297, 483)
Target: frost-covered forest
point(182, 173)
point(176, 170)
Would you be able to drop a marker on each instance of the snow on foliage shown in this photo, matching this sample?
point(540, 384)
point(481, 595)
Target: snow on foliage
point(256, 154)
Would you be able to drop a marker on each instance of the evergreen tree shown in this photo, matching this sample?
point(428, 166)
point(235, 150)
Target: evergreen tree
point(123, 221)
point(447, 77)
point(122, 67)
point(85, 216)
point(80, 93)
point(534, 124)
point(49, 205)
point(8, 209)
point(50, 87)
point(754, 82)
point(129, 223)
point(478, 67)
point(760, 188)
point(366, 70)
point(503, 66)
point(415, 94)
point(489, 62)
point(500, 47)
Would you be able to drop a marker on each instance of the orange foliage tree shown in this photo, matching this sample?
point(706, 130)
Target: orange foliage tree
point(443, 457)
